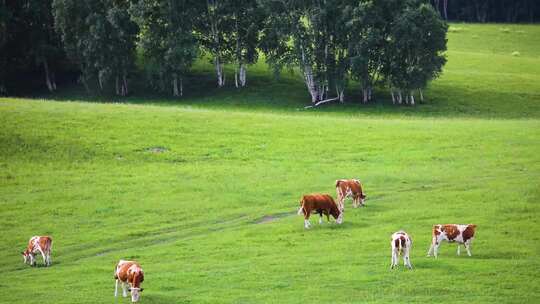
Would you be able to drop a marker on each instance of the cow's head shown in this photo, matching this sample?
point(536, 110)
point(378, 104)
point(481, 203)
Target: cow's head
point(363, 197)
point(135, 293)
point(27, 256)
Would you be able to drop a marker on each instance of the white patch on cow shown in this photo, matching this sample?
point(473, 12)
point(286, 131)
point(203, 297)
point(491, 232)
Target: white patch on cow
point(307, 224)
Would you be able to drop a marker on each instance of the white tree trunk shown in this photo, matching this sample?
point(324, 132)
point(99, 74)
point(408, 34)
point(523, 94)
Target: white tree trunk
point(400, 98)
point(421, 95)
point(100, 80)
point(125, 85)
point(48, 81)
point(219, 72)
point(412, 99)
point(393, 96)
point(181, 87)
point(310, 84)
point(175, 85)
point(340, 93)
point(243, 73)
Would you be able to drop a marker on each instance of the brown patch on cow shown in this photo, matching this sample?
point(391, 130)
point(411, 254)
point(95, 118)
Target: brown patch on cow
point(436, 231)
point(451, 231)
point(319, 203)
point(124, 274)
point(468, 233)
point(396, 243)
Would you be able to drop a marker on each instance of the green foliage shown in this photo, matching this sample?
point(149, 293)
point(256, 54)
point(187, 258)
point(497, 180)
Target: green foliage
point(99, 36)
point(168, 42)
point(414, 54)
point(28, 44)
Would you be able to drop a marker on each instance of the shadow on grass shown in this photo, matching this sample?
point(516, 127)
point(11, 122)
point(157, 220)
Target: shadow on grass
point(288, 94)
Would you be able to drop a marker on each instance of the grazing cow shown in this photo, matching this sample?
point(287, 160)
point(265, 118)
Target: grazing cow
point(401, 244)
point(461, 234)
point(319, 203)
point(38, 244)
point(130, 275)
point(349, 188)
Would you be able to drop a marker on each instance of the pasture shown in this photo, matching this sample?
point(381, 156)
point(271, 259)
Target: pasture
point(203, 192)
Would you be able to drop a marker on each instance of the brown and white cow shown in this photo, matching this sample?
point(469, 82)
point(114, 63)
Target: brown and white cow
point(38, 244)
point(401, 244)
point(349, 188)
point(461, 234)
point(321, 204)
point(130, 275)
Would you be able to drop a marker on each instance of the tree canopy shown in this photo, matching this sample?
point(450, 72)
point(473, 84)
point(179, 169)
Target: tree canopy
point(393, 43)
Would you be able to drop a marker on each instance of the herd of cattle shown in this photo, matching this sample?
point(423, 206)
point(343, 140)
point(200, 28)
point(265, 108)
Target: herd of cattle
point(130, 275)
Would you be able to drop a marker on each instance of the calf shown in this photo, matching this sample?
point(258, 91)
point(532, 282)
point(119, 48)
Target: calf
point(401, 244)
point(130, 275)
point(38, 244)
point(461, 234)
point(321, 204)
point(349, 188)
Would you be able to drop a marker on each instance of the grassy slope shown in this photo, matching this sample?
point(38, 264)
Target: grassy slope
point(83, 173)
point(481, 79)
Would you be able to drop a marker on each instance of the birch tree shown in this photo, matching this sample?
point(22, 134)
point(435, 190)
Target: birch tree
point(414, 55)
point(100, 37)
point(123, 36)
point(309, 35)
point(168, 41)
point(247, 17)
point(215, 27)
point(369, 33)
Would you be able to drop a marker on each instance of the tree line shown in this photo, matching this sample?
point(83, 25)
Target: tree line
point(489, 10)
point(394, 43)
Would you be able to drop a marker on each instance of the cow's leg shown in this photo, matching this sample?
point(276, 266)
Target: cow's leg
point(436, 248)
point(430, 251)
point(32, 259)
point(468, 247)
point(458, 249)
point(124, 290)
point(306, 219)
point(320, 218)
point(339, 199)
point(43, 256)
point(395, 257)
point(116, 288)
point(406, 259)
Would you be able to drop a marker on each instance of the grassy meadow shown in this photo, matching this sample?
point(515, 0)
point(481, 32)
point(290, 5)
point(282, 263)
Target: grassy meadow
point(203, 191)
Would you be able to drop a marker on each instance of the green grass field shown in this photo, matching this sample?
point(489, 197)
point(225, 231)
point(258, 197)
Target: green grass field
point(203, 191)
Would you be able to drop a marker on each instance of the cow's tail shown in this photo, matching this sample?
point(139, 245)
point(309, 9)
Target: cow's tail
point(401, 244)
point(301, 209)
point(337, 182)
